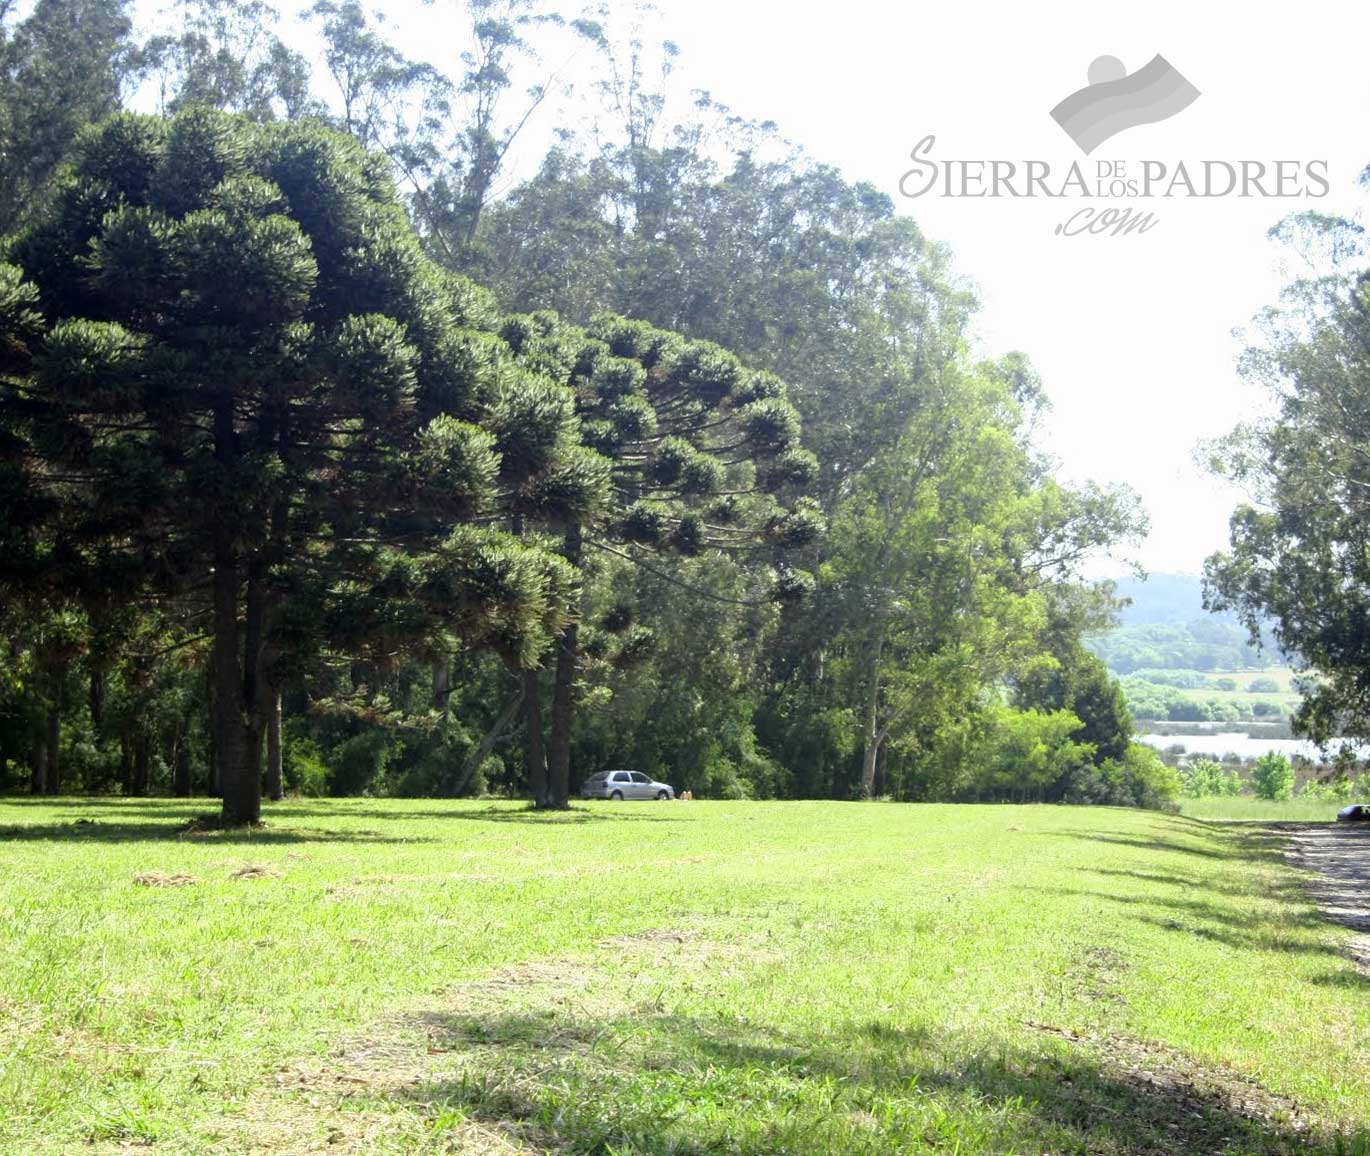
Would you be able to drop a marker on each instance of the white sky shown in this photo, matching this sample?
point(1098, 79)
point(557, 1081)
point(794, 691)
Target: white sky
point(1133, 336)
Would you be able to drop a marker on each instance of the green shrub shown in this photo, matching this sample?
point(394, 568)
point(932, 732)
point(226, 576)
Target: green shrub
point(1273, 777)
point(1206, 777)
point(302, 767)
point(1338, 790)
point(490, 770)
point(722, 780)
point(359, 763)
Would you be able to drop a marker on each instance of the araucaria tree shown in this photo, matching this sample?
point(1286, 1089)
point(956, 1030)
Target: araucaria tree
point(232, 376)
point(706, 460)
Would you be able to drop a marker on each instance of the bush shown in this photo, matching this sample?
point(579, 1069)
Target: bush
point(722, 781)
point(1339, 790)
point(1139, 779)
point(1151, 783)
point(1273, 777)
point(1206, 777)
point(302, 767)
point(359, 763)
point(1263, 686)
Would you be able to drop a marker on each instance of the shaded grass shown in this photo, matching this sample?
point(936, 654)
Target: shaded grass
point(683, 978)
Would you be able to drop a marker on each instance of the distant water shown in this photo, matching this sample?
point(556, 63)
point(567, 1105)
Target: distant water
point(1241, 745)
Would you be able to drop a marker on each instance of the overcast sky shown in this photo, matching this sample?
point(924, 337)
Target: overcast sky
point(1133, 335)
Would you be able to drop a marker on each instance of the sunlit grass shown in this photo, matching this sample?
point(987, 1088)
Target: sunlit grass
point(1245, 808)
point(668, 978)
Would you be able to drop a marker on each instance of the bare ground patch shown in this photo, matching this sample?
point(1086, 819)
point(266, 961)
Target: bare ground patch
point(164, 879)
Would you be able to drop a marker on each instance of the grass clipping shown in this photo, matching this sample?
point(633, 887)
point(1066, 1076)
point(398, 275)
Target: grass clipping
point(163, 879)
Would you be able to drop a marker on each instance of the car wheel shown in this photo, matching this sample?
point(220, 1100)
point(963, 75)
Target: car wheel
point(617, 796)
point(662, 795)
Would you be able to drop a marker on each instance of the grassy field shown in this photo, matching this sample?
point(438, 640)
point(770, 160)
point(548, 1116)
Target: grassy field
point(1243, 678)
point(1245, 808)
point(681, 978)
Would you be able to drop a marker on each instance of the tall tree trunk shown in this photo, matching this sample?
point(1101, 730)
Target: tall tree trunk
point(534, 753)
point(535, 756)
point(563, 691)
point(38, 768)
point(214, 783)
point(872, 725)
point(275, 772)
point(142, 758)
point(180, 759)
point(239, 783)
point(238, 761)
point(97, 693)
point(53, 739)
point(442, 688)
point(125, 761)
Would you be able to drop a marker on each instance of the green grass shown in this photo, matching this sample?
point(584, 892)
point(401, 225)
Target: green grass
point(1248, 809)
point(679, 978)
point(1286, 696)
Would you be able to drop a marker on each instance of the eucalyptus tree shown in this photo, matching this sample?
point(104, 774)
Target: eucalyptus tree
point(63, 65)
point(239, 379)
point(227, 55)
point(447, 124)
point(1299, 558)
point(940, 569)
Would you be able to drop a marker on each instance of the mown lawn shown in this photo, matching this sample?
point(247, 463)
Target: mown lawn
point(668, 978)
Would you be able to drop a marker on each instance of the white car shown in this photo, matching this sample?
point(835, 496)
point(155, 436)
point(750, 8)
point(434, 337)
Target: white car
point(620, 785)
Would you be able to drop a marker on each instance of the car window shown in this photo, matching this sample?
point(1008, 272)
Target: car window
point(623, 777)
point(639, 777)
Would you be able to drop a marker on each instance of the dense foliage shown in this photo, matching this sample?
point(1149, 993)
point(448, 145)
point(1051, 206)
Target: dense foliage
point(1298, 552)
point(706, 483)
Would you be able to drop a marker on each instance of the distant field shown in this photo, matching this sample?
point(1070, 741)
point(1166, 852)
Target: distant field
point(654, 979)
point(1286, 695)
point(1152, 697)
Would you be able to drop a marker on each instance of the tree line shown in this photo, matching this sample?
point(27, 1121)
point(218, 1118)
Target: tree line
point(331, 465)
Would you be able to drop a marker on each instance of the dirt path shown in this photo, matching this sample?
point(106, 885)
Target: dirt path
point(1340, 854)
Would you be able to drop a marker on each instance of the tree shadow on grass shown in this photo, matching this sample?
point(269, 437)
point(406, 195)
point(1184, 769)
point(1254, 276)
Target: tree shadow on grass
point(659, 1084)
point(1287, 890)
point(1288, 929)
point(101, 830)
point(490, 814)
point(1257, 845)
point(118, 819)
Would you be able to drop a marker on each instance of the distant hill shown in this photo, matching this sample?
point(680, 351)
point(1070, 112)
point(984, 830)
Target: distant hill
point(1166, 628)
point(1166, 600)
